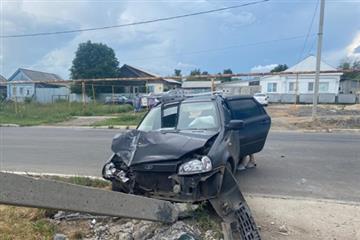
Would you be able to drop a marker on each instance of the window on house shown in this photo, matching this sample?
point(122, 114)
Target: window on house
point(151, 89)
point(310, 86)
point(324, 87)
point(272, 87)
point(291, 87)
point(27, 92)
point(21, 91)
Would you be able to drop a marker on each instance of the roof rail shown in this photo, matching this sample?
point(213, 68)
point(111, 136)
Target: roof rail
point(179, 95)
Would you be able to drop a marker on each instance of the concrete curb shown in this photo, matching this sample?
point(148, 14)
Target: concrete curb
point(247, 195)
point(9, 125)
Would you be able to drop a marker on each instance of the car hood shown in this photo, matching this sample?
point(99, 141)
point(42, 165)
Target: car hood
point(136, 147)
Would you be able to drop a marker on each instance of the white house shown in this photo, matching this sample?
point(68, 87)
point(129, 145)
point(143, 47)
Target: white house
point(32, 89)
point(302, 83)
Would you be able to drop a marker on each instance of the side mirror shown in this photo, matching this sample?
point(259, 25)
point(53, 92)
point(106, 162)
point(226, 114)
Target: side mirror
point(235, 124)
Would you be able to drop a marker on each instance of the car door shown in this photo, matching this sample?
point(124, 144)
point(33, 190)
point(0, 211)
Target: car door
point(256, 123)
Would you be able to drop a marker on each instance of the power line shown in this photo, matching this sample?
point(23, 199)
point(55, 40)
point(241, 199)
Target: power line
point(309, 31)
point(224, 48)
point(133, 23)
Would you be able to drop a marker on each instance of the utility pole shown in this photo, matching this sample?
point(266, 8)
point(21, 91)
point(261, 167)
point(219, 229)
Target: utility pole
point(318, 60)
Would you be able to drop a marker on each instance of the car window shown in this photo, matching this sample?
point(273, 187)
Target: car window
point(201, 115)
point(244, 108)
point(152, 121)
point(169, 117)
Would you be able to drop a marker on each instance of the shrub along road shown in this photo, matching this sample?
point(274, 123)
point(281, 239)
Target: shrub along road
point(320, 165)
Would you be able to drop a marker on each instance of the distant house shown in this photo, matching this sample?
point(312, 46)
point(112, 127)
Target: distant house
point(349, 86)
point(192, 86)
point(302, 83)
point(237, 86)
point(152, 85)
point(2, 87)
point(29, 86)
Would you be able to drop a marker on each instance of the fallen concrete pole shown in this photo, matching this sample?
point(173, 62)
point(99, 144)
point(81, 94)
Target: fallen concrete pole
point(25, 191)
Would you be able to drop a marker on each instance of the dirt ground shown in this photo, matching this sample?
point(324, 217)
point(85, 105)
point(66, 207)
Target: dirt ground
point(303, 219)
point(279, 218)
point(298, 117)
point(284, 117)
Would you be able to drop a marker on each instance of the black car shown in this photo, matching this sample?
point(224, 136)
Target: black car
point(181, 148)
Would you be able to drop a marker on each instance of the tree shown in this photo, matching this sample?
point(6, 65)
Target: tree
point(226, 71)
point(94, 60)
point(351, 65)
point(195, 72)
point(177, 72)
point(279, 68)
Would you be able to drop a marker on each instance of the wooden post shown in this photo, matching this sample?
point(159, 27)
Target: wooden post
point(297, 89)
point(212, 85)
point(93, 92)
point(112, 95)
point(83, 94)
point(16, 106)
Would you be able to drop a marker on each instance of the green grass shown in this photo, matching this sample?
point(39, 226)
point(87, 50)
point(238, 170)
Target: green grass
point(206, 219)
point(83, 181)
point(24, 223)
point(28, 114)
point(129, 118)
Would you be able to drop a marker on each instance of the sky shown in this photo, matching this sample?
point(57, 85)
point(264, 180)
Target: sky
point(253, 38)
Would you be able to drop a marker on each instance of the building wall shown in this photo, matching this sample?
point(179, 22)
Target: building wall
point(20, 91)
point(328, 84)
point(155, 87)
point(48, 95)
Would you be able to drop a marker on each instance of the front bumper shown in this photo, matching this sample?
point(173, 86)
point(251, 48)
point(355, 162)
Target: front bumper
point(168, 185)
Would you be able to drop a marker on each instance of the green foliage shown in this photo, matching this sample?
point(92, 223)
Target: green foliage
point(207, 219)
point(197, 72)
point(177, 72)
point(35, 113)
point(129, 118)
point(225, 79)
point(83, 181)
point(351, 65)
point(94, 60)
point(280, 68)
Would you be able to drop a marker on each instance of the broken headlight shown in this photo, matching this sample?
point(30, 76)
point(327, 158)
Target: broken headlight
point(196, 166)
point(109, 170)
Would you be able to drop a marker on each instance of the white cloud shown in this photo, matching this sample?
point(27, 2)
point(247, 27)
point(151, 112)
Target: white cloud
point(350, 52)
point(263, 68)
point(353, 49)
point(140, 45)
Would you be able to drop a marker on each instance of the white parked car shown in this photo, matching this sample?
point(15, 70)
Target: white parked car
point(262, 98)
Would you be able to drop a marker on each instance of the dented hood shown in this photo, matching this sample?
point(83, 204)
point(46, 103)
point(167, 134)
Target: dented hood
point(135, 147)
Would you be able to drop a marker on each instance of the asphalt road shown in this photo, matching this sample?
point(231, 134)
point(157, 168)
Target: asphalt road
point(320, 165)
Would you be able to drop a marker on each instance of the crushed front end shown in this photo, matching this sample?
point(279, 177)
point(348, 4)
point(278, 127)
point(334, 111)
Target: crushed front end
point(178, 170)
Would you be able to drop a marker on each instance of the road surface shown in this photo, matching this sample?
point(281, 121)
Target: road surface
point(320, 165)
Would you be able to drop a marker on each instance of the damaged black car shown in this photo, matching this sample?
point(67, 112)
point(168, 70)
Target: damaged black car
point(181, 148)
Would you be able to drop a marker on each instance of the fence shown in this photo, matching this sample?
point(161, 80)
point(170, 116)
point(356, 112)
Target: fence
point(325, 98)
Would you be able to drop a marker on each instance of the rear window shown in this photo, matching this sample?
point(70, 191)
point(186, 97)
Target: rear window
point(244, 108)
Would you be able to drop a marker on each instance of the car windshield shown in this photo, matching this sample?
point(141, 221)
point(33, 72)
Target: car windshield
point(189, 116)
point(200, 115)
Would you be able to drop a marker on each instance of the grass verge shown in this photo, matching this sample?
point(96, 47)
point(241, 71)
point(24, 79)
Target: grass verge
point(18, 223)
point(129, 118)
point(29, 114)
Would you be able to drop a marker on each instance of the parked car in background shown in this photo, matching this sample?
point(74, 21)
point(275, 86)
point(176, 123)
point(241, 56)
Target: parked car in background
point(118, 100)
point(262, 98)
